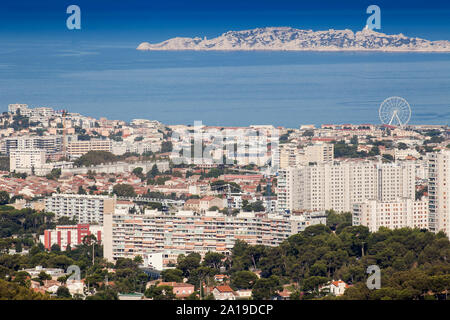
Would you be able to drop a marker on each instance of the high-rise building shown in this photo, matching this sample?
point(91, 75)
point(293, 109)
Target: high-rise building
point(439, 191)
point(84, 208)
point(339, 185)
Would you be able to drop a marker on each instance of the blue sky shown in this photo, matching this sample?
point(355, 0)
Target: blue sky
point(139, 20)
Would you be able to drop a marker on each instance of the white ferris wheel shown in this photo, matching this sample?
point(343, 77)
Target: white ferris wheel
point(395, 111)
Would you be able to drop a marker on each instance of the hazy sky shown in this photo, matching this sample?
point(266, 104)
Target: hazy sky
point(139, 20)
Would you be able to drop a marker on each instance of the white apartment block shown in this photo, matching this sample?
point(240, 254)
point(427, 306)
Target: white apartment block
point(439, 191)
point(393, 214)
point(51, 144)
point(22, 108)
point(41, 113)
point(339, 185)
point(84, 208)
point(128, 235)
point(26, 160)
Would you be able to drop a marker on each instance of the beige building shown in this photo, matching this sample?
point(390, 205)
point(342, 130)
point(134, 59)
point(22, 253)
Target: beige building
point(78, 148)
point(128, 235)
point(439, 191)
point(291, 156)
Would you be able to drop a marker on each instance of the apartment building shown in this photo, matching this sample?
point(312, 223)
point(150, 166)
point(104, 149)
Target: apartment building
point(15, 108)
point(392, 214)
point(26, 160)
point(50, 144)
point(339, 185)
point(78, 148)
point(291, 156)
point(439, 191)
point(128, 235)
point(84, 208)
point(72, 235)
point(318, 152)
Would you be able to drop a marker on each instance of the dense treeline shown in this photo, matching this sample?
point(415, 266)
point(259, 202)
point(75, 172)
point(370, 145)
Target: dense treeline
point(95, 158)
point(414, 263)
point(24, 222)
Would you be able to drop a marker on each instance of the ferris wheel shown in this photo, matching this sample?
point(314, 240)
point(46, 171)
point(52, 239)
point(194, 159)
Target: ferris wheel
point(395, 111)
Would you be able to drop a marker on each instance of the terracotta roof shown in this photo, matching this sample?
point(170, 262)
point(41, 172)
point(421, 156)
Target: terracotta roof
point(224, 288)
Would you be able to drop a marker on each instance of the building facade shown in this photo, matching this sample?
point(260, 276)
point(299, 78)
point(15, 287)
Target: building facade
point(72, 235)
point(128, 235)
point(83, 208)
point(393, 214)
point(26, 160)
point(78, 148)
point(439, 191)
point(339, 185)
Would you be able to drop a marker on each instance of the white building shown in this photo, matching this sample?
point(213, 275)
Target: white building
point(393, 214)
point(22, 108)
point(84, 208)
point(336, 288)
point(439, 191)
point(51, 144)
point(26, 160)
point(339, 185)
point(291, 156)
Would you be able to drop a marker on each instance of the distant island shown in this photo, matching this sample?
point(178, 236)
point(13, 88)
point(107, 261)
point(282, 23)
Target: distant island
point(291, 39)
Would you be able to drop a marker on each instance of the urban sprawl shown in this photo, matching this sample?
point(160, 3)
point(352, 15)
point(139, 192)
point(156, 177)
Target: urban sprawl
point(194, 208)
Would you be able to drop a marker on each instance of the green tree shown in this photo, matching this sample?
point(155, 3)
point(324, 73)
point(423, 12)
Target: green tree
point(4, 197)
point(172, 275)
point(160, 293)
point(14, 291)
point(243, 279)
point(44, 276)
point(213, 260)
point(95, 158)
point(63, 292)
point(124, 190)
point(265, 288)
point(188, 263)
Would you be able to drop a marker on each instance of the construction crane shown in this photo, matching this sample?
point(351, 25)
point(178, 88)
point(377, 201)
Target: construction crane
point(229, 194)
point(268, 175)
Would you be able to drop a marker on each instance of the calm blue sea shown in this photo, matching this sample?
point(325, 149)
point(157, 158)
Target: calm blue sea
point(223, 88)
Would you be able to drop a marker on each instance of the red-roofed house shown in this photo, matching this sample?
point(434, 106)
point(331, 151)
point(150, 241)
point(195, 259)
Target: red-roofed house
point(181, 290)
point(224, 293)
point(336, 287)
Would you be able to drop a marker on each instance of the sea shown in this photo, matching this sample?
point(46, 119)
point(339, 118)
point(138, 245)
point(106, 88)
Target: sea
point(116, 81)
